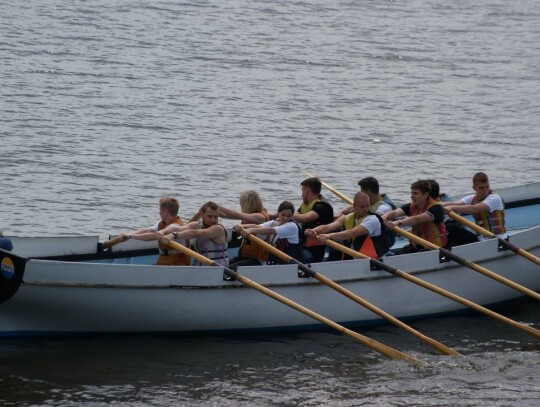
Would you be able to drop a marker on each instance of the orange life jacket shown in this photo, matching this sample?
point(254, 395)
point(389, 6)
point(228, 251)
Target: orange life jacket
point(430, 231)
point(253, 250)
point(168, 256)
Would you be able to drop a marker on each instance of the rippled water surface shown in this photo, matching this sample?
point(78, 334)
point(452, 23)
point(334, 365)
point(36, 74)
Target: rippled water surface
point(106, 106)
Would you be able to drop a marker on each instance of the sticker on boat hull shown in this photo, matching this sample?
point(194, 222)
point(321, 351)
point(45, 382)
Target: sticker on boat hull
point(7, 267)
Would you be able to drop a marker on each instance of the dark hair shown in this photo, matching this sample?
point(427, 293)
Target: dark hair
point(435, 190)
point(285, 205)
point(422, 185)
point(479, 178)
point(314, 184)
point(369, 184)
point(209, 205)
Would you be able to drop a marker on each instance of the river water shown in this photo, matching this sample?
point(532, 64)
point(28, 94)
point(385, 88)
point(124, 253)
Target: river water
point(107, 106)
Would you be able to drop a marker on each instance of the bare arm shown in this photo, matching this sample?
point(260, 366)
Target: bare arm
point(306, 217)
point(215, 232)
point(396, 213)
point(467, 209)
point(344, 234)
point(335, 225)
point(267, 231)
point(246, 217)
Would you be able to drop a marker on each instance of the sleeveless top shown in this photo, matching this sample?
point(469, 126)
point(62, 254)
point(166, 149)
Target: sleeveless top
point(211, 249)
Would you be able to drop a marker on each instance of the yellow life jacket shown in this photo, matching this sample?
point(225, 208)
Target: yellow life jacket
point(305, 208)
point(363, 244)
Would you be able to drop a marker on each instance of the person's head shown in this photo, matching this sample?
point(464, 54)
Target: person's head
point(481, 185)
point(210, 213)
point(168, 208)
point(435, 189)
point(420, 191)
point(369, 184)
point(361, 204)
point(250, 202)
point(285, 212)
point(311, 189)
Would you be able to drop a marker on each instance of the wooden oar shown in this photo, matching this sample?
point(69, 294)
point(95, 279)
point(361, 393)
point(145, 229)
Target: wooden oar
point(114, 241)
point(396, 272)
point(342, 290)
point(465, 262)
point(447, 253)
point(370, 343)
point(485, 232)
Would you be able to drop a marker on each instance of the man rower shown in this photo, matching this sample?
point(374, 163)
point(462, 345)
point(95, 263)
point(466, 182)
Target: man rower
point(210, 236)
point(360, 229)
point(486, 207)
point(424, 215)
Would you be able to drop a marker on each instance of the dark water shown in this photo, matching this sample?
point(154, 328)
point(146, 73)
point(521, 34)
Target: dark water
point(106, 106)
point(499, 368)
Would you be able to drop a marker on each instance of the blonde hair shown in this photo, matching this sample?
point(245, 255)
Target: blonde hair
point(250, 202)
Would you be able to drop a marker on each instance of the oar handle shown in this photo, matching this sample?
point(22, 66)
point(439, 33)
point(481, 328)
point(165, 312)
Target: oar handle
point(110, 243)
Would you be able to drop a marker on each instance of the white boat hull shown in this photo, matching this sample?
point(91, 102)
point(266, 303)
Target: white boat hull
point(60, 298)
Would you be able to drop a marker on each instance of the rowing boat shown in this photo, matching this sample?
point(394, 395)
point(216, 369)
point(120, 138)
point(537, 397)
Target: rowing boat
point(69, 286)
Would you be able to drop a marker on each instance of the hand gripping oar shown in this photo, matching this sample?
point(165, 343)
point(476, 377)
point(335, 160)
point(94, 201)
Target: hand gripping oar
point(445, 252)
point(465, 262)
point(396, 272)
point(502, 242)
point(332, 284)
point(114, 241)
point(370, 343)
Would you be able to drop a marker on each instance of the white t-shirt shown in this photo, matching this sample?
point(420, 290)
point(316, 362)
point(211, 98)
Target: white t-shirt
point(372, 224)
point(383, 208)
point(493, 201)
point(287, 231)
